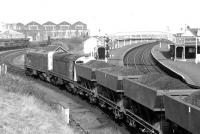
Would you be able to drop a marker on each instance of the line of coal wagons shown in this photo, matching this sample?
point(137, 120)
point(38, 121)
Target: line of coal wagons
point(154, 103)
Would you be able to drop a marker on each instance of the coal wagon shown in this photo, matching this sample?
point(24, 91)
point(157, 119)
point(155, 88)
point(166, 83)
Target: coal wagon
point(144, 99)
point(184, 111)
point(110, 87)
point(86, 78)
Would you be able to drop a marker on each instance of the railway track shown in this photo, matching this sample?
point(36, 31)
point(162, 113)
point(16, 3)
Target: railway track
point(141, 59)
point(8, 60)
point(8, 57)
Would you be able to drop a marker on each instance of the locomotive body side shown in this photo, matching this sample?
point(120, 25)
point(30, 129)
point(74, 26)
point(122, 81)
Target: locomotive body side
point(36, 62)
point(63, 65)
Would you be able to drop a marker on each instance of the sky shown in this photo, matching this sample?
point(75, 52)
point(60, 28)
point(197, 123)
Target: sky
point(106, 16)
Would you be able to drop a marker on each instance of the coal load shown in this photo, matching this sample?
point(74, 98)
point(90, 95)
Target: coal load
point(112, 77)
point(162, 81)
point(87, 70)
point(97, 64)
point(193, 99)
point(147, 88)
point(121, 71)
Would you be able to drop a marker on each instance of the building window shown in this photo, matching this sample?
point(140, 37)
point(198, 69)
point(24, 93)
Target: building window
point(49, 27)
point(79, 27)
point(33, 27)
point(64, 27)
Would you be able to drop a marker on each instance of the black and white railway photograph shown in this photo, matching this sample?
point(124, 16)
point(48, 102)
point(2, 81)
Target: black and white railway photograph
point(99, 67)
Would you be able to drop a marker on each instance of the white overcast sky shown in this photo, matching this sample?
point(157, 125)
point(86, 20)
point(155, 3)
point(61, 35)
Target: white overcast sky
point(110, 16)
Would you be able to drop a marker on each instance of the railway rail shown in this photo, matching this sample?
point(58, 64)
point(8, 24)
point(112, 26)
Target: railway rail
point(141, 59)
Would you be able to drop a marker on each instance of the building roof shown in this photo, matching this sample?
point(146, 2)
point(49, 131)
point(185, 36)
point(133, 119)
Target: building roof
point(20, 24)
point(79, 23)
point(194, 31)
point(49, 23)
point(33, 23)
point(188, 33)
point(53, 48)
point(64, 23)
point(73, 26)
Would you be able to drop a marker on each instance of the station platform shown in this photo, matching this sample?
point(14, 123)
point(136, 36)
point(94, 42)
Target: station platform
point(187, 69)
point(117, 55)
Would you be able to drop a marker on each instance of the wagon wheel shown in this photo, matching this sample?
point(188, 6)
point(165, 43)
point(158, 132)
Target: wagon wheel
point(27, 72)
point(53, 80)
point(92, 99)
point(163, 127)
point(41, 77)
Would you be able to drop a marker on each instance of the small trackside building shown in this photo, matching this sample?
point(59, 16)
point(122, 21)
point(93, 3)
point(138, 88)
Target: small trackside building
point(186, 44)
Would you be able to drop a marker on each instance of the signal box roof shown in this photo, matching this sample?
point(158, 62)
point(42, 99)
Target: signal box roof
point(63, 56)
point(54, 48)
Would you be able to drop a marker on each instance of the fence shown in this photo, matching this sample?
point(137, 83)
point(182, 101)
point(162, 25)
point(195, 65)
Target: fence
point(3, 69)
point(66, 116)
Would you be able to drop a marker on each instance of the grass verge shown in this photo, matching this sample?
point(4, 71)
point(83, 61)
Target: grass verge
point(26, 110)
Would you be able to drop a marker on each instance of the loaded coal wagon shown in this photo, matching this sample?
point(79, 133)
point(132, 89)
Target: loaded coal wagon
point(184, 111)
point(86, 78)
point(144, 100)
point(110, 87)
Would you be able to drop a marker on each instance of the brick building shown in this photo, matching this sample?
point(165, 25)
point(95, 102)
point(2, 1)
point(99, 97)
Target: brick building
point(38, 32)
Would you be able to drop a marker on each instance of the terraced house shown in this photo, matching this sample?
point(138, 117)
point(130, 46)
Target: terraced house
point(38, 32)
